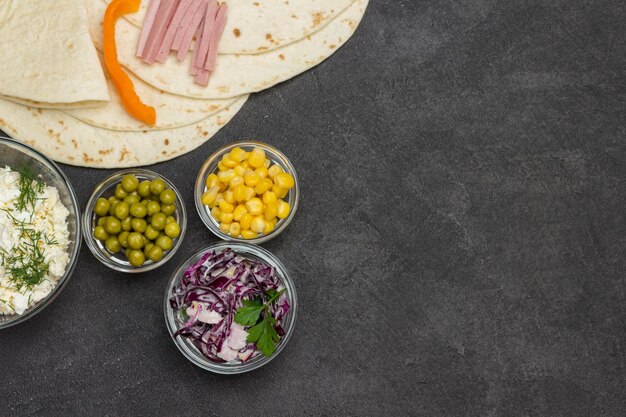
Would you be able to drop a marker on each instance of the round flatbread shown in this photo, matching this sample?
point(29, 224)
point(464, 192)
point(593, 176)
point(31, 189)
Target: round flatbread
point(257, 26)
point(235, 75)
point(73, 142)
point(172, 110)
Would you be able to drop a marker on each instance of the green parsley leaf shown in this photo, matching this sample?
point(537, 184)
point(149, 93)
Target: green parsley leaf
point(249, 314)
point(264, 335)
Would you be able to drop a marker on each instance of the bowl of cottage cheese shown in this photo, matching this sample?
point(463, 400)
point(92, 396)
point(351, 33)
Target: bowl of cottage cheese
point(39, 231)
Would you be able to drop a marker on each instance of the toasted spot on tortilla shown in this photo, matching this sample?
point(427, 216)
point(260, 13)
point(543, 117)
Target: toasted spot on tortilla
point(70, 44)
point(205, 133)
point(256, 3)
point(71, 158)
point(163, 153)
point(75, 143)
point(166, 142)
point(317, 19)
point(105, 151)
point(282, 57)
point(332, 46)
point(293, 16)
point(268, 36)
point(50, 131)
point(123, 153)
point(237, 32)
point(87, 158)
point(61, 122)
point(262, 48)
point(223, 89)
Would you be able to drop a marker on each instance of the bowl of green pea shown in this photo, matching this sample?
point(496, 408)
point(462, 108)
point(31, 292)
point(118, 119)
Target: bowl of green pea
point(134, 221)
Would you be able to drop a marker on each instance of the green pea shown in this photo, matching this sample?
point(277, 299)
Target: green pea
point(113, 226)
point(147, 248)
point(113, 199)
point(113, 244)
point(131, 199)
point(170, 219)
point(135, 240)
point(168, 209)
point(123, 239)
point(158, 221)
point(100, 234)
point(167, 196)
point(145, 241)
point(119, 192)
point(102, 207)
point(127, 224)
point(136, 258)
point(151, 233)
point(101, 221)
point(144, 202)
point(155, 254)
point(144, 188)
point(157, 186)
point(122, 210)
point(153, 207)
point(127, 252)
point(138, 210)
point(129, 183)
point(112, 208)
point(172, 230)
point(164, 242)
point(139, 225)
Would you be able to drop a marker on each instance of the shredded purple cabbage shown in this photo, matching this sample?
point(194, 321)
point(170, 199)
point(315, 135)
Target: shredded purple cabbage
point(210, 292)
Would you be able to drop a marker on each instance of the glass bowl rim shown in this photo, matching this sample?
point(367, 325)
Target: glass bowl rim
point(100, 189)
point(192, 353)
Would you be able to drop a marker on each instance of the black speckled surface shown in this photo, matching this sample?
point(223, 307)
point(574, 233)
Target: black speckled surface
point(459, 249)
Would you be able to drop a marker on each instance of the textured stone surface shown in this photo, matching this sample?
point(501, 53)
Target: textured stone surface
point(459, 249)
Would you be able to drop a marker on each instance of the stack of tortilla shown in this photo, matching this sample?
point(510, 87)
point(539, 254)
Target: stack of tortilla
point(56, 96)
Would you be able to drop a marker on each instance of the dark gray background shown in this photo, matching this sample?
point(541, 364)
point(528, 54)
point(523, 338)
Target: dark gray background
point(459, 249)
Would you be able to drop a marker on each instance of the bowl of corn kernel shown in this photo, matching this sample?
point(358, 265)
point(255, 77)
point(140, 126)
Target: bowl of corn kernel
point(247, 191)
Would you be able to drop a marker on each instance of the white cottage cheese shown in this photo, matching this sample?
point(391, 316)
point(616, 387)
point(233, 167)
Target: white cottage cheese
point(47, 216)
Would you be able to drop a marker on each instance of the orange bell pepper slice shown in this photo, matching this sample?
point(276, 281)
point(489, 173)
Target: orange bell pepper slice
point(131, 101)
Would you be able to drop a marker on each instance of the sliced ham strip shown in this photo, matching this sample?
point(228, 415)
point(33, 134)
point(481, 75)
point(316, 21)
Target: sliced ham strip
point(189, 20)
point(161, 22)
point(207, 34)
point(185, 42)
point(218, 30)
point(194, 70)
point(153, 7)
point(174, 25)
point(202, 77)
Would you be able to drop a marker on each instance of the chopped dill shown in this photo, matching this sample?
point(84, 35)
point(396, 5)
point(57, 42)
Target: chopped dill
point(29, 185)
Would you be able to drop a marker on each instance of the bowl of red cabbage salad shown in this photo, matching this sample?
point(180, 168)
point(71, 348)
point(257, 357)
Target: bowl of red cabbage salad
point(231, 307)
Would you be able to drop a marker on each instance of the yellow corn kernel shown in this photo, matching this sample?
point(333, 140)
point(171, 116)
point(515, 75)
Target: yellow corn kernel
point(226, 207)
point(249, 234)
point(258, 224)
point(221, 166)
point(256, 158)
point(245, 163)
point(280, 192)
point(267, 163)
point(262, 172)
point(274, 170)
point(239, 193)
point(228, 196)
point(264, 185)
point(226, 217)
point(249, 193)
point(227, 162)
point(216, 213)
point(225, 227)
point(271, 210)
point(226, 176)
point(245, 221)
point(235, 229)
point(269, 197)
point(239, 170)
point(269, 226)
point(217, 200)
point(283, 209)
point(237, 180)
point(251, 178)
point(237, 154)
point(210, 195)
point(239, 211)
point(284, 181)
point(212, 181)
point(255, 206)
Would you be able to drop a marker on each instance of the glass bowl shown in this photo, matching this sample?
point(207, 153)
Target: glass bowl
point(210, 166)
point(13, 153)
point(118, 261)
point(193, 353)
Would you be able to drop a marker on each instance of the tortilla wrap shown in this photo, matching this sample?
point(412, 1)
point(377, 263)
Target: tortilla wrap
point(47, 58)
